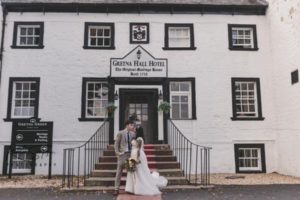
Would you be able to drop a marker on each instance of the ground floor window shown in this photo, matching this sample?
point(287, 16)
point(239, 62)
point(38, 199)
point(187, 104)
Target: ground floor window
point(250, 158)
point(94, 99)
point(22, 163)
point(182, 98)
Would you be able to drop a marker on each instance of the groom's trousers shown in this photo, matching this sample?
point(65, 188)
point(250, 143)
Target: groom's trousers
point(120, 166)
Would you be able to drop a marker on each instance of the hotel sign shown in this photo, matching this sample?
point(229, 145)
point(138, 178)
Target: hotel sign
point(32, 136)
point(138, 63)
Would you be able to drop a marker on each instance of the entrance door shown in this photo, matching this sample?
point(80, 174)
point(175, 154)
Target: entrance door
point(143, 104)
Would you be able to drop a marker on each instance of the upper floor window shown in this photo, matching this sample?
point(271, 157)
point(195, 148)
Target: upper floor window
point(246, 99)
point(95, 99)
point(28, 35)
point(242, 37)
point(23, 98)
point(181, 100)
point(179, 37)
point(99, 36)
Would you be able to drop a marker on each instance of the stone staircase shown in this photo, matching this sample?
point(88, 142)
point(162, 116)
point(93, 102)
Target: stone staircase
point(159, 158)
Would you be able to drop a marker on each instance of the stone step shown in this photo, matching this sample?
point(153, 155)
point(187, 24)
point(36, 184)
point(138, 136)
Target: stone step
point(156, 158)
point(151, 165)
point(112, 173)
point(109, 181)
point(147, 146)
point(147, 152)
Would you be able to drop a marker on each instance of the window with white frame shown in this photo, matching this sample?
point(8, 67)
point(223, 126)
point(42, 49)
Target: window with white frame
point(24, 98)
point(179, 36)
point(246, 98)
point(180, 99)
point(96, 99)
point(28, 35)
point(99, 35)
point(250, 158)
point(242, 37)
point(22, 163)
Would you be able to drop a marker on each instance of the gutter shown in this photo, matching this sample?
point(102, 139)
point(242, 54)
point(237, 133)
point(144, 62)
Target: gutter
point(4, 10)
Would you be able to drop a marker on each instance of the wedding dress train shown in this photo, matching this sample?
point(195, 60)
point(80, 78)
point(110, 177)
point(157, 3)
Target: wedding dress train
point(142, 181)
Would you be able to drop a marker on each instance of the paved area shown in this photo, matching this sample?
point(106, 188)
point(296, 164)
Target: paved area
point(237, 192)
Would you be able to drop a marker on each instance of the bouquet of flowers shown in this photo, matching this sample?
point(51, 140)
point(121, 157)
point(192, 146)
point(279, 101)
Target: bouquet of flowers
point(130, 165)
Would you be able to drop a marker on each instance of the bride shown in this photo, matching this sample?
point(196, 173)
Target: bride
point(142, 181)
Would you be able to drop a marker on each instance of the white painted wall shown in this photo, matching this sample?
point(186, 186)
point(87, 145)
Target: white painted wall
point(63, 63)
point(284, 20)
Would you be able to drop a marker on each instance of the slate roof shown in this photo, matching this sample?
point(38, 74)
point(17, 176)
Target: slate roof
point(232, 7)
point(171, 2)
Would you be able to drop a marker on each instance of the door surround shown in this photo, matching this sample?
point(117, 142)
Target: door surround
point(160, 123)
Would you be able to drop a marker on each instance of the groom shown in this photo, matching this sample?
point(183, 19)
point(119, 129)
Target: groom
point(122, 149)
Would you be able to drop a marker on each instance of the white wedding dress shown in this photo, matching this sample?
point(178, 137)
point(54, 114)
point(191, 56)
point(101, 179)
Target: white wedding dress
point(142, 181)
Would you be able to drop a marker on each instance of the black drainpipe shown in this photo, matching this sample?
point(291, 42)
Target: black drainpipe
point(4, 10)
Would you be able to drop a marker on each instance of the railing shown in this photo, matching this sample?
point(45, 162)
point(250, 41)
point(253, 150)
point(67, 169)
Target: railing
point(79, 162)
point(194, 159)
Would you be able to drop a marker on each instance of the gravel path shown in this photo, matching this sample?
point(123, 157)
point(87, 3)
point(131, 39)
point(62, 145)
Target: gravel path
point(216, 179)
point(224, 192)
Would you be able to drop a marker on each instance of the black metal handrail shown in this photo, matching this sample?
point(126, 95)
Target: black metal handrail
point(80, 161)
point(194, 159)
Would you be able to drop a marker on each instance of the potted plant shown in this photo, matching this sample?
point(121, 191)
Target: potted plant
point(164, 107)
point(110, 109)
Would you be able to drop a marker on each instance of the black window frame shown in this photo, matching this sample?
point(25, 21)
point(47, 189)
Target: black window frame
point(249, 145)
point(295, 77)
point(234, 48)
point(192, 37)
point(83, 117)
point(15, 35)
point(193, 95)
point(259, 104)
point(86, 35)
point(10, 94)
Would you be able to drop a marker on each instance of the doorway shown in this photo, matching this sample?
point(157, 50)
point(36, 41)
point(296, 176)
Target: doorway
point(143, 104)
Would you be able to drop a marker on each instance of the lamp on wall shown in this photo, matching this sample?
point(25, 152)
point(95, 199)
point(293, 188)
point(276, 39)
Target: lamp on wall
point(160, 95)
point(116, 96)
point(138, 54)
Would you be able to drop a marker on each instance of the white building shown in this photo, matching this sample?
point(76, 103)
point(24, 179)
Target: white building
point(220, 64)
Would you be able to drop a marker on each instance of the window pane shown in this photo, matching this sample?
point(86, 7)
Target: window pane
point(36, 40)
point(184, 87)
point(30, 40)
point(175, 98)
point(175, 111)
point(100, 42)
point(23, 40)
point(37, 31)
point(23, 31)
point(184, 99)
point(106, 32)
point(92, 32)
point(107, 41)
point(93, 41)
point(30, 31)
point(100, 32)
point(174, 87)
point(184, 111)
point(90, 103)
point(91, 86)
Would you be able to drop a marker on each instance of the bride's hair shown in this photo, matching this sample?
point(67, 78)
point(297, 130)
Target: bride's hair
point(140, 144)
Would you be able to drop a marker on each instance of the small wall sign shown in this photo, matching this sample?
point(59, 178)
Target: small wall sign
point(139, 33)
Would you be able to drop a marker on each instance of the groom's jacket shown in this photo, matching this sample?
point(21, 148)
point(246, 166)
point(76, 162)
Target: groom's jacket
point(121, 142)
